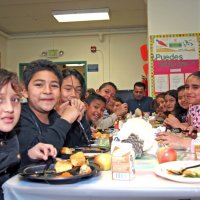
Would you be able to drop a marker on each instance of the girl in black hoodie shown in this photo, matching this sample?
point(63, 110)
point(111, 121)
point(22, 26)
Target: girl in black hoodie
point(10, 109)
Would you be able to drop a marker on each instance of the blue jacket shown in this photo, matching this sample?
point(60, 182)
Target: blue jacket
point(145, 104)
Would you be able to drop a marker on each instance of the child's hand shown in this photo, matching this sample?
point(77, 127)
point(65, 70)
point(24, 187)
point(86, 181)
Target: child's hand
point(172, 140)
point(94, 130)
point(122, 110)
point(73, 111)
point(61, 108)
point(82, 109)
point(172, 121)
point(191, 131)
point(42, 151)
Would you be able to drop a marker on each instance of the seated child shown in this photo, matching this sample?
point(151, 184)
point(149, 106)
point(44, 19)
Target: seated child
point(95, 106)
point(108, 90)
point(117, 103)
point(10, 109)
point(191, 90)
point(73, 87)
point(160, 107)
point(39, 122)
point(181, 120)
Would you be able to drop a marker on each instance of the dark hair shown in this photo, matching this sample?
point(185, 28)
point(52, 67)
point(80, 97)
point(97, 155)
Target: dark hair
point(160, 95)
point(178, 109)
point(73, 72)
point(180, 88)
point(40, 65)
point(6, 77)
point(197, 74)
point(154, 103)
point(118, 99)
point(93, 97)
point(182, 112)
point(108, 83)
point(172, 93)
point(91, 91)
point(140, 84)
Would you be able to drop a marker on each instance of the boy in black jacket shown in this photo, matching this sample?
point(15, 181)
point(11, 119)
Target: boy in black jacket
point(39, 122)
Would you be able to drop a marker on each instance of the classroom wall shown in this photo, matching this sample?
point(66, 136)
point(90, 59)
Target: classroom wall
point(175, 16)
point(118, 55)
point(3, 51)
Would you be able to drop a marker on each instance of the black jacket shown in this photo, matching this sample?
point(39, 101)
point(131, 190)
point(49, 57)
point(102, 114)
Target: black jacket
point(59, 132)
point(9, 157)
point(75, 136)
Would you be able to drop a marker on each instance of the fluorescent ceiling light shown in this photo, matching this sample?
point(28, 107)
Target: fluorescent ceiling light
point(81, 15)
point(74, 65)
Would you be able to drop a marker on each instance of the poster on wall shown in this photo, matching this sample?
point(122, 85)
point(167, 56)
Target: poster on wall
point(172, 58)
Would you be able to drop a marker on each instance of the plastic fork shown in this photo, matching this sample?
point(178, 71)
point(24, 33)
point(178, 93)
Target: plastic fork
point(180, 172)
point(50, 161)
point(84, 133)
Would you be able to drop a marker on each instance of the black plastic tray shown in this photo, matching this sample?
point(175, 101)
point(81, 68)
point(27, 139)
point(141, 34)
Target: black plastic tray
point(86, 150)
point(30, 173)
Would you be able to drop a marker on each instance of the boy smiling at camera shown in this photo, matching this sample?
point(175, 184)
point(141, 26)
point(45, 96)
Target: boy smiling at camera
point(39, 122)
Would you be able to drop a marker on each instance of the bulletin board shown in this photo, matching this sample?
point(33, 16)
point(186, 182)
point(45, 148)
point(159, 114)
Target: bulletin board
point(172, 58)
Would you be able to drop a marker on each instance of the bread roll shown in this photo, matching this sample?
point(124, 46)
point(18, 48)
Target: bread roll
point(85, 169)
point(66, 150)
point(100, 135)
point(96, 135)
point(77, 159)
point(63, 165)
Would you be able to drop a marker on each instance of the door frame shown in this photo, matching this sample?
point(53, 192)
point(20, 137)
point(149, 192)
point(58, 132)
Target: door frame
point(23, 65)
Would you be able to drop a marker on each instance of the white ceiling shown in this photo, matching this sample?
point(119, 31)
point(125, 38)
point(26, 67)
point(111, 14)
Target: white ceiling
point(21, 17)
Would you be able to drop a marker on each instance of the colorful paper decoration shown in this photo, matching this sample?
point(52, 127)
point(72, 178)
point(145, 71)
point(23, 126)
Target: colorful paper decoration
point(145, 68)
point(144, 52)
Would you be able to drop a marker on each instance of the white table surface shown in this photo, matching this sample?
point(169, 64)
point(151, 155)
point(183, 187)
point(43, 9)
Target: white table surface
point(145, 185)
